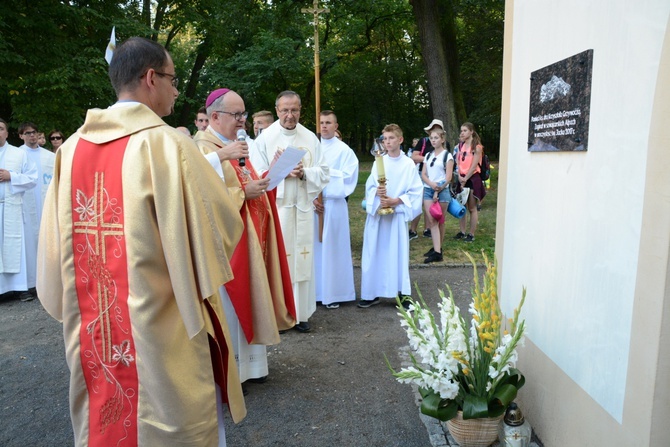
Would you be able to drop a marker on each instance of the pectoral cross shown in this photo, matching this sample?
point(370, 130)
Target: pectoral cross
point(315, 10)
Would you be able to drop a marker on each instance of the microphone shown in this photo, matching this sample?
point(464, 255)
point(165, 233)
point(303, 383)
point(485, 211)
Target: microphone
point(242, 136)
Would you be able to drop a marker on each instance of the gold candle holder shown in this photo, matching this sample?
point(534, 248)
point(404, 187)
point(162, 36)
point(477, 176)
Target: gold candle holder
point(379, 151)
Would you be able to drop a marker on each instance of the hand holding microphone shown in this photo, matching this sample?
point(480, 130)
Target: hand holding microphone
point(242, 136)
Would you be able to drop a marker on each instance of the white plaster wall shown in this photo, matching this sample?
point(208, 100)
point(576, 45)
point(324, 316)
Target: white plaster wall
point(573, 220)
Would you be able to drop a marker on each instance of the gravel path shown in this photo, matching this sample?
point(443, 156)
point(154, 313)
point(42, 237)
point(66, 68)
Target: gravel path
point(330, 387)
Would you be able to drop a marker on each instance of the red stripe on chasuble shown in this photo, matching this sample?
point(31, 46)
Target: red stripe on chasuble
point(101, 274)
point(218, 351)
point(239, 288)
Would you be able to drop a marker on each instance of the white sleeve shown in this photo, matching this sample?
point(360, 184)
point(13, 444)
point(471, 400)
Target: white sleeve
point(213, 159)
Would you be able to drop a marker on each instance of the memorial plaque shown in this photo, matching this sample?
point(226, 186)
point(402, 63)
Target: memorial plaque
point(560, 98)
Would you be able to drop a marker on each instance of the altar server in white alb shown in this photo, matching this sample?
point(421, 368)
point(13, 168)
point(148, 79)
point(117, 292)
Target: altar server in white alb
point(332, 243)
point(294, 196)
point(385, 257)
point(33, 200)
point(17, 175)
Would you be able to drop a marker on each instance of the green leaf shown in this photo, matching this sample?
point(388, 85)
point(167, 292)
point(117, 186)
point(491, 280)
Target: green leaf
point(434, 406)
point(425, 392)
point(501, 398)
point(475, 407)
point(514, 378)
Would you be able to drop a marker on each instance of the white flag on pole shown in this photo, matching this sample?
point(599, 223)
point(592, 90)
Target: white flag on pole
point(111, 46)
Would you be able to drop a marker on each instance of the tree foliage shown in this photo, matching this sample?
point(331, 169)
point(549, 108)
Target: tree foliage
point(371, 68)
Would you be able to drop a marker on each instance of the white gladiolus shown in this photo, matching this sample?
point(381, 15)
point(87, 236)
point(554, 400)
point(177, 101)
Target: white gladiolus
point(434, 343)
point(459, 362)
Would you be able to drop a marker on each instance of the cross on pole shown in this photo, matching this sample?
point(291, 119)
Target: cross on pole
point(315, 10)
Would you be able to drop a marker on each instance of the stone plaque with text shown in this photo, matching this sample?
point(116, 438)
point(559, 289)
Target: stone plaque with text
point(560, 98)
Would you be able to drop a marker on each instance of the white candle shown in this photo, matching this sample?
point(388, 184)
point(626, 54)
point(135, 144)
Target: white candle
point(381, 174)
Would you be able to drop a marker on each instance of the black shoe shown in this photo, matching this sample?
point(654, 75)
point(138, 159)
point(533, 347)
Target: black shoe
point(429, 252)
point(258, 379)
point(364, 304)
point(459, 235)
point(245, 391)
point(469, 238)
point(303, 327)
point(33, 291)
point(426, 232)
point(412, 235)
point(26, 296)
point(435, 257)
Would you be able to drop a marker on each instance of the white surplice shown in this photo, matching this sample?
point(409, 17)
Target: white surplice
point(23, 172)
point(332, 257)
point(32, 205)
point(385, 257)
point(294, 204)
point(252, 360)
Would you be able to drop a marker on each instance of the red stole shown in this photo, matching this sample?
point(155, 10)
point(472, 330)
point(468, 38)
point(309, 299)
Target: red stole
point(107, 348)
point(259, 211)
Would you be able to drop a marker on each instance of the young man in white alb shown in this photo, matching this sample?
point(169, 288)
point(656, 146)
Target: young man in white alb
point(385, 257)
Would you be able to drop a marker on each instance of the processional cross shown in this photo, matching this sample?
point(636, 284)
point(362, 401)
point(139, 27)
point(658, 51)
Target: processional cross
point(315, 10)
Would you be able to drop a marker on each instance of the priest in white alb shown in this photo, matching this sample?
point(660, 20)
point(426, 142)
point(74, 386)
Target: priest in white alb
point(294, 196)
point(33, 200)
point(17, 175)
point(332, 243)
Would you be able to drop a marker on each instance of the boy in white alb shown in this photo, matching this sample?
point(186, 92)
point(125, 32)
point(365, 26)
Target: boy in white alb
point(385, 257)
point(333, 268)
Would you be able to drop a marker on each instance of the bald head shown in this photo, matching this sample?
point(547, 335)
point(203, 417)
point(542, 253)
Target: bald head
point(227, 114)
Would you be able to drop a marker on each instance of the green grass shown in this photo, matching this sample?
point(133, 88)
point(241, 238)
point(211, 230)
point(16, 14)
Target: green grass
point(452, 249)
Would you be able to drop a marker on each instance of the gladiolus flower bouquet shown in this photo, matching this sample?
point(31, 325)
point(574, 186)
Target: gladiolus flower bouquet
point(464, 368)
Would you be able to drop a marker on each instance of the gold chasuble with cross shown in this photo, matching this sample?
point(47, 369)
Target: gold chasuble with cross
point(136, 234)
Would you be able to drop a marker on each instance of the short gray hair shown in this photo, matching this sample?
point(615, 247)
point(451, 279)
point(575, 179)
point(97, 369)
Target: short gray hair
point(287, 93)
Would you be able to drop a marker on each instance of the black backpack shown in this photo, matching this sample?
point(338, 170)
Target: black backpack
point(484, 164)
point(485, 167)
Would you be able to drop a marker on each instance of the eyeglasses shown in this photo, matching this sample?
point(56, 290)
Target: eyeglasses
point(55, 137)
point(239, 116)
point(432, 163)
point(287, 111)
point(174, 78)
point(30, 132)
point(463, 154)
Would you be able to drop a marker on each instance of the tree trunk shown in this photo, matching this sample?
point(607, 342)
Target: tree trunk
point(146, 13)
point(448, 25)
point(189, 92)
point(438, 73)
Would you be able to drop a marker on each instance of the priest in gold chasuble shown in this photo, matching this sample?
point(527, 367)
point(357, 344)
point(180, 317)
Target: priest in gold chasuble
point(136, 235)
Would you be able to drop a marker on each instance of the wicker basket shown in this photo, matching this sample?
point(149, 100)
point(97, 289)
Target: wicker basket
point(481, 432)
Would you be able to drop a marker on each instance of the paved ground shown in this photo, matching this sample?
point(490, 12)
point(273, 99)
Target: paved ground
point(330, 387)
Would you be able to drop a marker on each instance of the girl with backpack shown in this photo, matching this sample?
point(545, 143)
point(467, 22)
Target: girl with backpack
point(436, 174)
point(470, 153)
